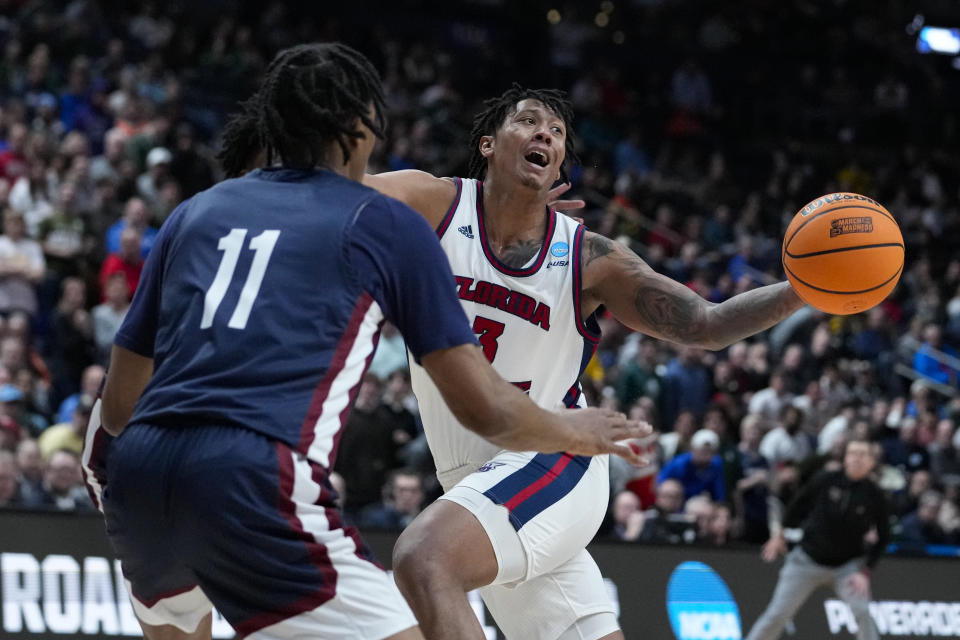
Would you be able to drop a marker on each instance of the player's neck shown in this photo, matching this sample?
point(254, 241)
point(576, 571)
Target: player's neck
point(513, 213)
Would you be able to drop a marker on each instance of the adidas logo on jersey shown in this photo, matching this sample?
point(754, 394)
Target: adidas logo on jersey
point(466, 230)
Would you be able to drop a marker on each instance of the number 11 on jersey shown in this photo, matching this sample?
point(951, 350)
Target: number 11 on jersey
point(231, 244)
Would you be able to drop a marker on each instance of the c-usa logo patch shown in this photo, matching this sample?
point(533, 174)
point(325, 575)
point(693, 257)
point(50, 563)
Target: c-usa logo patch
point(560, 249)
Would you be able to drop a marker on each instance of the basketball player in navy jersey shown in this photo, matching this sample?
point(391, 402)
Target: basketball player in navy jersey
point(513, 524)
point(233, 373)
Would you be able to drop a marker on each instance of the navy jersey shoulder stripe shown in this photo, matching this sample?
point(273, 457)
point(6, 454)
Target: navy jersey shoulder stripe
point(307, 433)
point(448, 216)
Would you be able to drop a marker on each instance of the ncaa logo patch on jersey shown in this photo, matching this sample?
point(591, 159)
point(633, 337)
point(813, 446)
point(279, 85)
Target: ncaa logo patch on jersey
point(560, 249)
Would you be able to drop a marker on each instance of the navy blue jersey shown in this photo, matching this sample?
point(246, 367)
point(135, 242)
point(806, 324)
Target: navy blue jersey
point(262, 300)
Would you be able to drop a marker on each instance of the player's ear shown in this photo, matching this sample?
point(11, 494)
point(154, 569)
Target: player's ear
point(486, 146)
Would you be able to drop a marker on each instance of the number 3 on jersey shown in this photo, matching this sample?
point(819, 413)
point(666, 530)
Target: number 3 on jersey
point(488, 331)
point(231, 244)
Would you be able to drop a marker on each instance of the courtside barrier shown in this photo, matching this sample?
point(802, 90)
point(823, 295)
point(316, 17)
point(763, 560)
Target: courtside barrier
point(58, 579)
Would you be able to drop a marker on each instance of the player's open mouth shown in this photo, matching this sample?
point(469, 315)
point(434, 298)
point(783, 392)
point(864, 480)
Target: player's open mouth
point(537, 157)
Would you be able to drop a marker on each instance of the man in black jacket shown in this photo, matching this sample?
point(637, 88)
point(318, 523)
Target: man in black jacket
point(837, 510)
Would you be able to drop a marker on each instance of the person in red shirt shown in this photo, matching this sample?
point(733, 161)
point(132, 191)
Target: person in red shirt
point(127, 261)
point(13, 162)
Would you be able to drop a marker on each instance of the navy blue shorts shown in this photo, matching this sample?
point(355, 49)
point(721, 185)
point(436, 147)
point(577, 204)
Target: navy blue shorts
point(224, 515)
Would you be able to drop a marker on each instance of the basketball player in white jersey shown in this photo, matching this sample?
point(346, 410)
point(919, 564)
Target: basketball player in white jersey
point(516, 524)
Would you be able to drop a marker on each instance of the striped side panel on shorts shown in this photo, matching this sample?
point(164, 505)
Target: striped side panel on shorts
point(541, 483)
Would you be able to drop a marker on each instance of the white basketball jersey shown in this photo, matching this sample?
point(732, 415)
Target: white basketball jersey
point(527, 321)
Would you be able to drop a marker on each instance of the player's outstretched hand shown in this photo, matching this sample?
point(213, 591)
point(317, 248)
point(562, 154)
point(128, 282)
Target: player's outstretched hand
point(563, 205)
point(602, 430)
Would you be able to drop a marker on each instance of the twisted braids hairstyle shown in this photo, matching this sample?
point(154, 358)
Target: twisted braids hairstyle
point(496, 110)
point(312, 95)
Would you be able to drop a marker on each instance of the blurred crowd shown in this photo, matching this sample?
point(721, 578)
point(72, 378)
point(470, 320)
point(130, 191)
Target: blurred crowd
point(701, 133)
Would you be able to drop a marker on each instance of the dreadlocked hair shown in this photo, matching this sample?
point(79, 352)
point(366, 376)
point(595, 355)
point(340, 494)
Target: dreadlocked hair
point(312, 95)
point(496, 110)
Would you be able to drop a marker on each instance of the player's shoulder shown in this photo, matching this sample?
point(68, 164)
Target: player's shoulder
point(408, 183)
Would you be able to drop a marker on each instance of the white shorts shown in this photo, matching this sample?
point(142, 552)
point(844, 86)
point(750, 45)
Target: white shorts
point(539, 512)
point(368, 606)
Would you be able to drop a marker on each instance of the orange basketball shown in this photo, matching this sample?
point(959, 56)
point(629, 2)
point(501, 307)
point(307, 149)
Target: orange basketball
point(843, 253)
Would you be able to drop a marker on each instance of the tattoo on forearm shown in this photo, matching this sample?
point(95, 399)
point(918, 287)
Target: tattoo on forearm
point(676, 313)
point(518, 255)
point(674, 317)
point(753, 311)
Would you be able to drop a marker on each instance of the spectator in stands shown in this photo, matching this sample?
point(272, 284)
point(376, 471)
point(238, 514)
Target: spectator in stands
point(115, 163)
point(395, 405)
point(876, 338)
point(63, 482)
point(366, 447)
point(836, 426)
point(30, 196)
point(907, 501)
point(786, 441)
point(391, 353)
point(136, 215)
point(661, 522)
point(63, 235)
point(27, 413)
point(127, 261)
point(158, 172)
point(701, 469)
point(905, 451)
point(13, 159)
point(944, 456)
point(109, 315)
point(677, 441)
point(768, 403)
point(628, 518)
point(687, 384)
point(752, 488)
point(921, 527)
point(30, 466)
point(67, 436)
point(9, 487)
point(699, 510)
point(71, 339)
point(403, 500)
point(90, 382)
point(640, 377)
point(719, 528)
point(926, 361)
point(21, 266)
point(190, 165)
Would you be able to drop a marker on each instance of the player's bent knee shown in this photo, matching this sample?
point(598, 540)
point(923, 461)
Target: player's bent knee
point(413, 568)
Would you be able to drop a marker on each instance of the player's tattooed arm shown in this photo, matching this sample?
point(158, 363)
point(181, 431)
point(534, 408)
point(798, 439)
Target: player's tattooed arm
point(654, 304)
